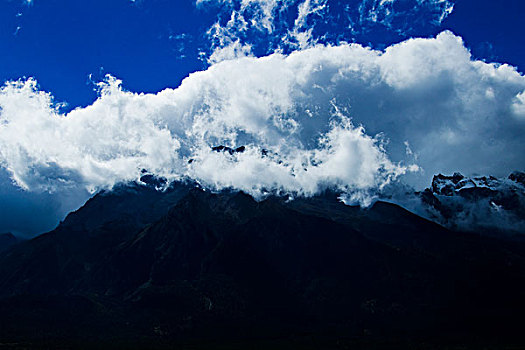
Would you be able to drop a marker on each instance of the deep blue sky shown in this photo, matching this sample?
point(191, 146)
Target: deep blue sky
point(62, 42)
point(493, 30)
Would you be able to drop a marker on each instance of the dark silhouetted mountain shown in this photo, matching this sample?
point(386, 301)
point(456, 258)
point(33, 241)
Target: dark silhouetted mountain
point(192, 269)
point(7, 240)
point(229, 150)
point(224, 149)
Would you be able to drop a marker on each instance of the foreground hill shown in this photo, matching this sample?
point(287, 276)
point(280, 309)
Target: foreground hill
point(136, 266)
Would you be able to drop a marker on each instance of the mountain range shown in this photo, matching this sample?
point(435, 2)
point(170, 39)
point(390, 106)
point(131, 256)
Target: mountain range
point(183, 267)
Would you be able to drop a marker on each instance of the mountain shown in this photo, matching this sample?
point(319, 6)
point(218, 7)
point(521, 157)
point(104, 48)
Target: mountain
point(478, 204)
point(7, 240)
point(183, 267)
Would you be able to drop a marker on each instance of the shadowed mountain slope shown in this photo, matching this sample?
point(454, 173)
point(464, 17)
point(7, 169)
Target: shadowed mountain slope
point(7, 240)
point(186, 266)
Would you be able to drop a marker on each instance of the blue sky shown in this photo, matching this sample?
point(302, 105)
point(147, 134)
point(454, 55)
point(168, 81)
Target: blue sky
point(62, 43)
point(401, 113)
point(153, 44)
point(492, 30)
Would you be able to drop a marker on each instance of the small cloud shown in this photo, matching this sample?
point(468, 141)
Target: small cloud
point(179, 43)
point(232, 51)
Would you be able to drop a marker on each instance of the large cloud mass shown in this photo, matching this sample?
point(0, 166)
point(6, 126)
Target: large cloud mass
point(329, 116)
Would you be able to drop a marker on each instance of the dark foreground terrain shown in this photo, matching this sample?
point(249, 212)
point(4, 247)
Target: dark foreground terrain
point(185, 268)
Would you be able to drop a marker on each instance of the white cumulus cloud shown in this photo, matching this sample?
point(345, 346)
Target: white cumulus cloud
point(327, 116)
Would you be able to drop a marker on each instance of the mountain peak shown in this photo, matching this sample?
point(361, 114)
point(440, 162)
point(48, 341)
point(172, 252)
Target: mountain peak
point(518, 176)
point(481, 203)
point(7, 240)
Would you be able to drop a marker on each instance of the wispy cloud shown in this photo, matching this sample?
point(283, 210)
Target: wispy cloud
point(285, 25)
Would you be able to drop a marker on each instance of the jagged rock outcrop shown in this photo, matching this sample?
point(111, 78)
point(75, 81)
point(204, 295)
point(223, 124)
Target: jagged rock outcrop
point(478, 203)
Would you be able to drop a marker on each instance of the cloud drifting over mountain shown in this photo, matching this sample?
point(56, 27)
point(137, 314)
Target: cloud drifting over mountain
point(339, 116)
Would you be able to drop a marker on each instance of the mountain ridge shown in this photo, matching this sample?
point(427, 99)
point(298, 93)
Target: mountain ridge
point(485, 204)
point(7, 239)
point(186, 264)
